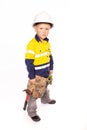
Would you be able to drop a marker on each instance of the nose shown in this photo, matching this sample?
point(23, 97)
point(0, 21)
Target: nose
point(44, 31)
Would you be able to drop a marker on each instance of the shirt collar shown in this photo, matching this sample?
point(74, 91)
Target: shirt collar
point(38, 39)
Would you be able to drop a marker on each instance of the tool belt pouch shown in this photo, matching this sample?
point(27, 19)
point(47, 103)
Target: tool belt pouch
point(39, 88)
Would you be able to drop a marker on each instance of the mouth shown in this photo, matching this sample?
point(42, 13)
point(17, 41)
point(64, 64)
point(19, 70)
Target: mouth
point(44, 35)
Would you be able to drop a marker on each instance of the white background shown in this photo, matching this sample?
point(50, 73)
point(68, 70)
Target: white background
point(69, 44)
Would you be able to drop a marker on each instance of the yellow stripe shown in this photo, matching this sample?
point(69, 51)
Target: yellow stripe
point(42, 54)
point(30, 52)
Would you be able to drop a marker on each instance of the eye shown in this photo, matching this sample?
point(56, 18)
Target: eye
point(41, 28)
point(47, 29)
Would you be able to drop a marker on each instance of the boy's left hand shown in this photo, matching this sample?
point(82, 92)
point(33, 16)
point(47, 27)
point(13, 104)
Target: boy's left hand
point(50, 79)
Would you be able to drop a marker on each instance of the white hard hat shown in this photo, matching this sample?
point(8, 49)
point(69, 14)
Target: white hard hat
point(42, 17)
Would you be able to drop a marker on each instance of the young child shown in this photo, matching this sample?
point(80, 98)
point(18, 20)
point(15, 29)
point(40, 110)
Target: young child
point(39, 63)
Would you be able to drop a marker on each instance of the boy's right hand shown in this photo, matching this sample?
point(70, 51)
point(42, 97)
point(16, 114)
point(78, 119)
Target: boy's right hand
point(32, 81)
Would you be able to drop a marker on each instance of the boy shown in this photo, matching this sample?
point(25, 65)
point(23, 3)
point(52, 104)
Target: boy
point(39, 63)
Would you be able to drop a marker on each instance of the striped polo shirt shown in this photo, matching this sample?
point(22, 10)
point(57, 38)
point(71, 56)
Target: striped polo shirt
point(38, 57)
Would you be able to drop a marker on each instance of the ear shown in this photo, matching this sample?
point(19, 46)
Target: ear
point(35, 28)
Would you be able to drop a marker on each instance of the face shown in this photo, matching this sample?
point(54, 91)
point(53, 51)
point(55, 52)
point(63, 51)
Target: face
point(42, 30)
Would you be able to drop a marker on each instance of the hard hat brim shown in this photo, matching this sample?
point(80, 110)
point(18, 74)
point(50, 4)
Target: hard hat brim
point(34, 24)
